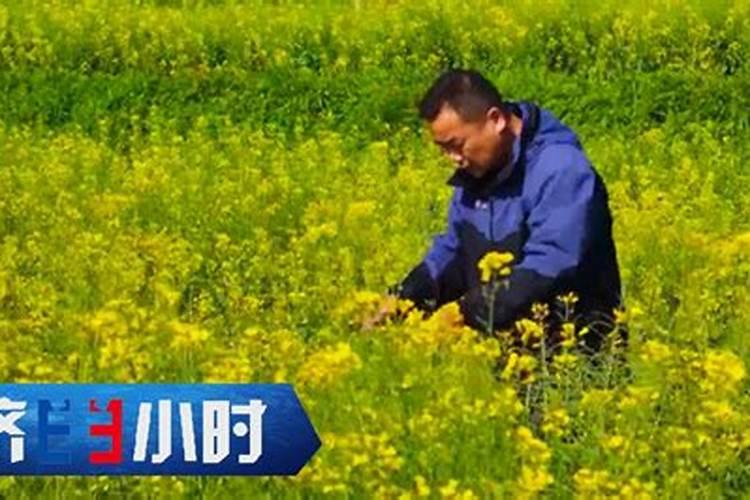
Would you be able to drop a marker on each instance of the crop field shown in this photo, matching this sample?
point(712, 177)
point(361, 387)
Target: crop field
point(221, 192)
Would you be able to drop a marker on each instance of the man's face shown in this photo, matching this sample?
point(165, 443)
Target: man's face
point(474, 146)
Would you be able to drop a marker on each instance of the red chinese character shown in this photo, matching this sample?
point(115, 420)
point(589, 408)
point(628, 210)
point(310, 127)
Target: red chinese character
point(112, 430)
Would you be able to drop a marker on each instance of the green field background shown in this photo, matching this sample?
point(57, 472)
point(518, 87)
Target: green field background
point(212, 191)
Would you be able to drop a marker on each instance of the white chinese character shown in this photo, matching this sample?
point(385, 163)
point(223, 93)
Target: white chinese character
point(215, 431)
point(164, 430)
point(254, 411)
point(8, 425)
point(188, 433)
point(216, 423)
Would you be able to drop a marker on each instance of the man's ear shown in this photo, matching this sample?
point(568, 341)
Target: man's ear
point(497, 118)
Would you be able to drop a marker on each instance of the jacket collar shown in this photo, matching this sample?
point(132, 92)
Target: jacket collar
point(483, 186)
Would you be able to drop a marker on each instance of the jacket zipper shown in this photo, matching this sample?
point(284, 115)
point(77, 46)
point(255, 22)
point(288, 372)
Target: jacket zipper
point(492, 236)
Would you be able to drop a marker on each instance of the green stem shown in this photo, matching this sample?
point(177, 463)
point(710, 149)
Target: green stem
point(491, 321)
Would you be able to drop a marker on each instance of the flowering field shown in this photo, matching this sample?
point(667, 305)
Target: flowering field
point(210, 191)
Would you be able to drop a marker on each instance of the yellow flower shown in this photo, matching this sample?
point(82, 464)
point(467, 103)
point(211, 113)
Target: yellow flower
point(421, 486)
point(595, 399)
point(723, 370)
point(564, 361)
point(637, 397)
point(555, 422)
point(591, 482)
point(532, 481)
point(539, 311)
point(655, 351)
point(530, 331)
point(569, 300)
point(449, 489)
point(328, 365)
point(488, 349)
point(621, 316)
point(495, 264)
point(636, 490)
point(614, 442)
point(533, 450)
point(568, 335)
point(448, 316)
point(186, 334)
point(521, 366)
point(599, 483)
point(717, 413)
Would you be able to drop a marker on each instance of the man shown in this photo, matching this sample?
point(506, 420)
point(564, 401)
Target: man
point(523, 185)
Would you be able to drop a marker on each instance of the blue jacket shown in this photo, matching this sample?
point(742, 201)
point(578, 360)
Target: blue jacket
point(549, 208)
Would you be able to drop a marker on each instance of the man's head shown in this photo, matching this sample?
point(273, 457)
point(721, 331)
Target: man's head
point(468, 120)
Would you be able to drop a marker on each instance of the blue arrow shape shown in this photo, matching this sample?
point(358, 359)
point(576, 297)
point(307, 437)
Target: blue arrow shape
point(153, 429)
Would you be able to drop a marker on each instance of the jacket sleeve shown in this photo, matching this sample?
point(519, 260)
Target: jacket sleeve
point(429, 283)
point(565, 215)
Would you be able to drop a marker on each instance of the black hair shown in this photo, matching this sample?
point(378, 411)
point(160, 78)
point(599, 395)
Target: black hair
point(465, 90)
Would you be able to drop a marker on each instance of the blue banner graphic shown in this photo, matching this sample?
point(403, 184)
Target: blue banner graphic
point(153, 429)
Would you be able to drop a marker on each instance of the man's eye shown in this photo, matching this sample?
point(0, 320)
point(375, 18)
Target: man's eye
point(452, 147)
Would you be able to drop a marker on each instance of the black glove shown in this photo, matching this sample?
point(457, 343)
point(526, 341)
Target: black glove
point(419, 287)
